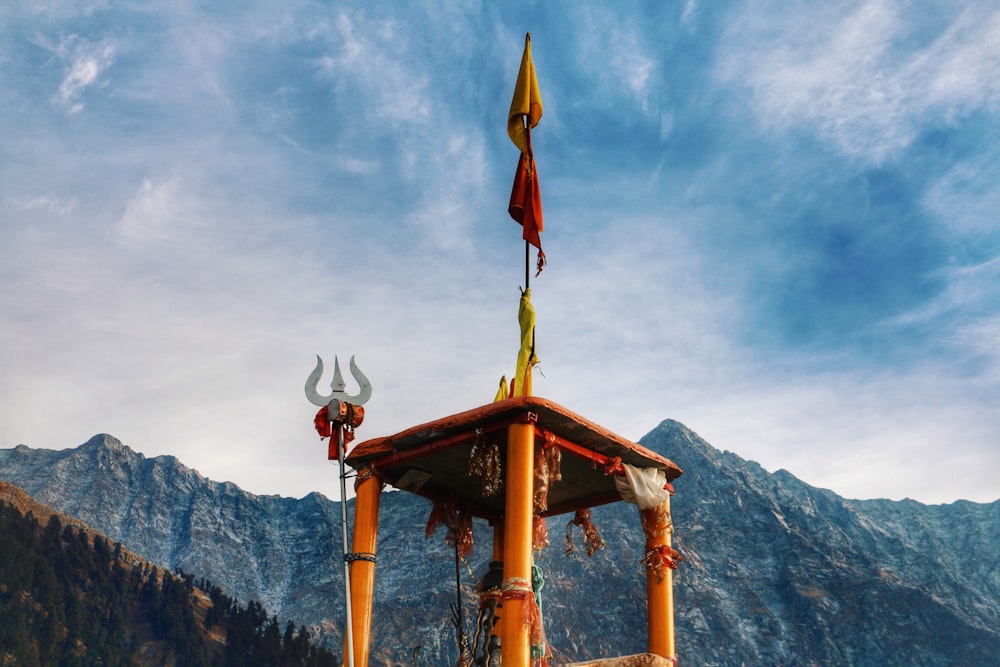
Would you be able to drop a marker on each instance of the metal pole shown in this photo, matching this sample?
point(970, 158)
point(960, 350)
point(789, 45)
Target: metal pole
point(527, 265)
point(349, 631)
point(527, 247)
point(463, 642)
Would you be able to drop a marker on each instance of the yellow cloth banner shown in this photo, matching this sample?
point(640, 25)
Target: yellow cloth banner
point(527, 100)
point(526, 357)
point(502, 391)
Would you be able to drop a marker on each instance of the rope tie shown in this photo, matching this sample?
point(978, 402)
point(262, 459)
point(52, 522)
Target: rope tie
point(366, 473)
point(516, 588)
point(516, 584)
point(659, 559)
point(360, 555)
point(614, 466)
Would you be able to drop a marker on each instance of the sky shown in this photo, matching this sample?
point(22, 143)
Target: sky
point(775, 222)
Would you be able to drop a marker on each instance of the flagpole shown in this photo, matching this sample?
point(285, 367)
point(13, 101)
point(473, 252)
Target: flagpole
point(527, 246)
point(349, 621)
point(527, 265)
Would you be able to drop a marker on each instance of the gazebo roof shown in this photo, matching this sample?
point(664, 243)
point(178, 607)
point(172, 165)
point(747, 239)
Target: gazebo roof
point(432, 459)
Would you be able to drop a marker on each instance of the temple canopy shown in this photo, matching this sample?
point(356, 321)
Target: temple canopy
point(433, 459)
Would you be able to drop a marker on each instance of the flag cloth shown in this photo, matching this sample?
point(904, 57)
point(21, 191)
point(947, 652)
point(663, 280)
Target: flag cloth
point(526, 358)
point(527, 101)
point(502, 391)
point(526, 199)
point(525, 204)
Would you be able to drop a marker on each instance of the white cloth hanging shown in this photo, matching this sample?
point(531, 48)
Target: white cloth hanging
point(642, 486)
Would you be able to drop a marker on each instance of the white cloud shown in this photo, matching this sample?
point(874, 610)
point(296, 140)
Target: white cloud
point(372, 61)
point(961, 67)
point(689, 13)
point(613, 50)
point(969, 291)
point(159, 212)
point(863, 78)
point(43, 203)
point(453, 178)
point(86, 64)
point(281, 148)
point(965, 200)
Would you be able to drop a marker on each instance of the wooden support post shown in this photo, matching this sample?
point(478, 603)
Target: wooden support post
point(497, 541)
point(660, 590)
point(368, 490)
point(515, 641)
point(497, 556)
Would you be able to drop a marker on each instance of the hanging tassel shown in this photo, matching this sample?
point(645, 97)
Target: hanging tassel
point(661, 558)
point(458, 521)
point(592, 540)
point(484, 462)
point(548, 469)
point(539, 533)
point(656, 522)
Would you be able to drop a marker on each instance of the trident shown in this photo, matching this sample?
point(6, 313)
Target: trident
point(337, 385)
point(338, 411)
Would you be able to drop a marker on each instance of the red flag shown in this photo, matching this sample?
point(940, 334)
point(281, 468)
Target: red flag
point(526, 202)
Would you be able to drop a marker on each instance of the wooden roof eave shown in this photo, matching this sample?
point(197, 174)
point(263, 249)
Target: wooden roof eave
point(593, 448)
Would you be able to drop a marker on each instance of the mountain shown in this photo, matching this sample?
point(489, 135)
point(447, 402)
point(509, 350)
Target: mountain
point(776, 572)
point(781, 573)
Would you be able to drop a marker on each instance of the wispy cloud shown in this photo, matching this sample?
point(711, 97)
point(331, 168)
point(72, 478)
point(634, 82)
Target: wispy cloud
point(45, 203)
point(159, 212)
point(619, 45)
point(773, 221)
point(965, 199)
point(370, 63)
point(86, 62)
point(847, 74)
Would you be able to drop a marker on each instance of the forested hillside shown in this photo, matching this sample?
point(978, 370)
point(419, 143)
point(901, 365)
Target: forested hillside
point(69, 596)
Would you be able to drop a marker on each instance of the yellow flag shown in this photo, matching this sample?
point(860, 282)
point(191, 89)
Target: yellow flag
point(527, 100)
point(526, 355)
point(502, 392)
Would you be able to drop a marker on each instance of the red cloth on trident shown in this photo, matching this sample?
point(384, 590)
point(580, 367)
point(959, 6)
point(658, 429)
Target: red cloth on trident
point(325, 429)
point(526, 202)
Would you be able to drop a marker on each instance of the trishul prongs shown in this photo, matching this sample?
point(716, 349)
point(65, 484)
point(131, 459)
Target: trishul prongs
point(337, 385)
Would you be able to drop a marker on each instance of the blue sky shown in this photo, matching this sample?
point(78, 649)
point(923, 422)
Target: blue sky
point(775, 222)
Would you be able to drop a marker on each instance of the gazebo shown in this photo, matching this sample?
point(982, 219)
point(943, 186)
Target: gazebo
point(514, 462)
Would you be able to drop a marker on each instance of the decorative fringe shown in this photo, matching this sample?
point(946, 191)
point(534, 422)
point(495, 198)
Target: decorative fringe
point(614, 466)
point(458, 521)
point(484, 462)
point(539, 533)
point(540, 263)
point(355, 415)
point(661, 558)
point(656, 522)
point(548, 468)
point(366, 473)
point(591, 538)
point(520, 589)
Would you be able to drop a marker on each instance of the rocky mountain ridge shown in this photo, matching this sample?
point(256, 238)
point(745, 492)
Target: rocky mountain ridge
point(777, 572)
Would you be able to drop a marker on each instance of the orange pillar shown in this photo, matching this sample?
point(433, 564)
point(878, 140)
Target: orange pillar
point(368, 491)
point(660, 588)
point(515, 641)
